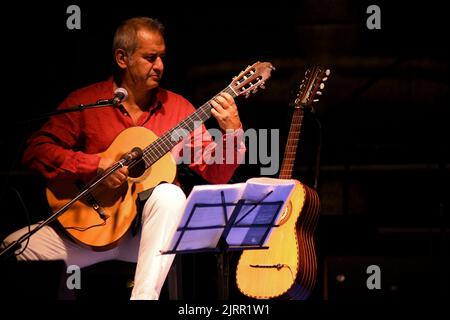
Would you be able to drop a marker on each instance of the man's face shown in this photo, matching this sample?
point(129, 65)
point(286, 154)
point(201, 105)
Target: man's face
point(145, 65)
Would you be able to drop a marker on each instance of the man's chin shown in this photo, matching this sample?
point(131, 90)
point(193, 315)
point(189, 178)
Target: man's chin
point(152, 85)
point(154, 82)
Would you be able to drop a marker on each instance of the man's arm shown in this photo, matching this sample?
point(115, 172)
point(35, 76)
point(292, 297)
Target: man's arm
point(53, 149)
point(216, 160)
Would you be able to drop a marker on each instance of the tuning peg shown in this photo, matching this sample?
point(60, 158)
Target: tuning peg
point(322, 85)
point(247, 95)
point(327, 72)
point(319, 93)
point(324, 79)
point(262, 86)
point(315, 100)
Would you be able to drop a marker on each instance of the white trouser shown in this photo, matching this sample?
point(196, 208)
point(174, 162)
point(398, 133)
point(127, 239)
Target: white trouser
point(160, 218)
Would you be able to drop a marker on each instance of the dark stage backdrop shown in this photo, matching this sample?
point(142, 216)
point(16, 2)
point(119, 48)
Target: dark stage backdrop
point(383, 180)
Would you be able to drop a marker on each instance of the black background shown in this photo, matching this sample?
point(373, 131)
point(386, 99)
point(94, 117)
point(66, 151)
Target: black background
point(383, 181)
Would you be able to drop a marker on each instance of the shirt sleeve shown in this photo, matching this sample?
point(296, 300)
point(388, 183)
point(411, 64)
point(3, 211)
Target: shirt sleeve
point(54, 150)
point(214, 155)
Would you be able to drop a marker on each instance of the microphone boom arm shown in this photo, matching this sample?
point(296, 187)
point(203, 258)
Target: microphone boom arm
point(120, 94)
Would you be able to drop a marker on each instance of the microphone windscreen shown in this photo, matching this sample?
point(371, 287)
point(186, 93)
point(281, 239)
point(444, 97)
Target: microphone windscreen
point(122, 93)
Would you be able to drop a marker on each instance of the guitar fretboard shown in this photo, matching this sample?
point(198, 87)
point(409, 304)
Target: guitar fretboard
point(291, 145)
point(165, 143)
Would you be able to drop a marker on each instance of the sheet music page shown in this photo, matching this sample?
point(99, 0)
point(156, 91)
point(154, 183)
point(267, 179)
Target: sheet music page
point(266, 190)
point(211, 218)
point(204, 226)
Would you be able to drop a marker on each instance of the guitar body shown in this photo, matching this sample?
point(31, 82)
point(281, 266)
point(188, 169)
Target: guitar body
point(287, 269)
point(83, 222)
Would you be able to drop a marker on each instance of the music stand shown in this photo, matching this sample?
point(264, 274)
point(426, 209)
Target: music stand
point(221, 218)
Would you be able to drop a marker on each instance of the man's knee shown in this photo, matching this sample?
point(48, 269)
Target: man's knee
point(168, 192)
point(18, 247)
point(11, 238)
point(167, 199)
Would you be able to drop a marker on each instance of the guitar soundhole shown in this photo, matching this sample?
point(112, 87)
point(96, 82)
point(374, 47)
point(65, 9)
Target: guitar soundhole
point(137, 169)
point(285, 214)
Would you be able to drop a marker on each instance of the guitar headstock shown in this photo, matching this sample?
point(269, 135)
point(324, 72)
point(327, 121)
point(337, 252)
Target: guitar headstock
point(314, 81)
point(251, 79)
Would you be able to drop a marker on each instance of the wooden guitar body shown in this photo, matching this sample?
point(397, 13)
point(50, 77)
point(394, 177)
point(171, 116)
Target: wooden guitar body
point(287, 269)
point(118, 204)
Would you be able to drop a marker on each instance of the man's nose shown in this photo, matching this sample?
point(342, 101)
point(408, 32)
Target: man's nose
point(158, 63)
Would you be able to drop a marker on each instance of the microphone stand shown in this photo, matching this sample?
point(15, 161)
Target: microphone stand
point(127, 160)
point(133, 155)
point(81, 107)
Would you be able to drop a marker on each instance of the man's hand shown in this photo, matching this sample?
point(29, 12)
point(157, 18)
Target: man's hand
point(117, 178)
point(225, 111)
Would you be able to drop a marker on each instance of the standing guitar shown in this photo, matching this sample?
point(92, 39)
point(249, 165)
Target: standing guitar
point(103, 217)
point(288, 268)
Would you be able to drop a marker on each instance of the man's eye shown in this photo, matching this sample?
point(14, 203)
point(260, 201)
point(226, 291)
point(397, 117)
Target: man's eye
point(153, 58)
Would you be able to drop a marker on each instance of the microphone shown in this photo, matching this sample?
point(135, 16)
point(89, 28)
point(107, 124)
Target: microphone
point(120, 94)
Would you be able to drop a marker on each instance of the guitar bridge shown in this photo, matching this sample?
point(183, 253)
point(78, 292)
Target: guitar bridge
point(277, 266)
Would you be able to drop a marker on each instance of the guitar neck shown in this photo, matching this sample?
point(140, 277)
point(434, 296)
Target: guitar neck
point(291, 145)
point(165, 143)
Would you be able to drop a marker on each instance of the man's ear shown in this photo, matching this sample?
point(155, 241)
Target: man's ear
point(121, 58)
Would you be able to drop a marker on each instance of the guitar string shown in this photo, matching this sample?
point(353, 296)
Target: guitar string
point(294, 135)
point(157, 144)
point(156, 150)
point(291, 148)
point(186, 123)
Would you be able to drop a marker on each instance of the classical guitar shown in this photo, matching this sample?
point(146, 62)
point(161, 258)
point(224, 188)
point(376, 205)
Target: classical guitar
point(102, 217)
point(287, 269)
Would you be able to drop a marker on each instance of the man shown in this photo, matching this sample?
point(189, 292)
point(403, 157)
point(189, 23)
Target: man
point(67, 146)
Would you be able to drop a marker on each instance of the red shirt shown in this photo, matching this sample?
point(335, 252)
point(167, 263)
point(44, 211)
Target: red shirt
point(66, 146)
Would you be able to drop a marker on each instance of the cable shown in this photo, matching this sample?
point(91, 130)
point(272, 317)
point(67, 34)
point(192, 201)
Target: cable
point(86, 228)
point(27, 215)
